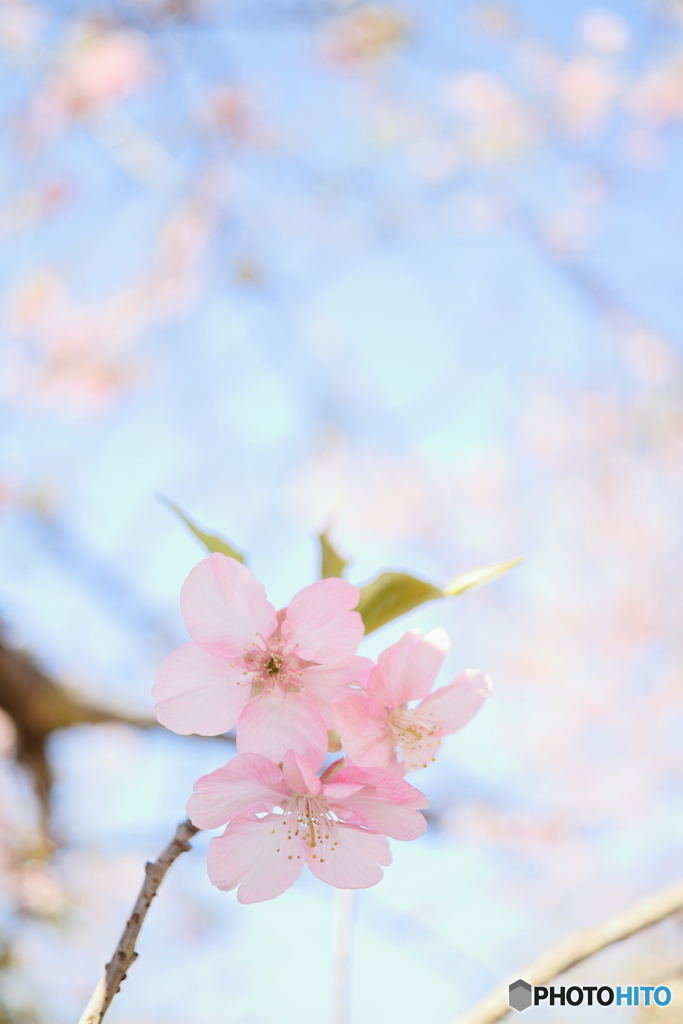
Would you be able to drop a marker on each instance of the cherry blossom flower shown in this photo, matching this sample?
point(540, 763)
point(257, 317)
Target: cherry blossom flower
point(337, 824)
point(379, 727)
point(277, 673)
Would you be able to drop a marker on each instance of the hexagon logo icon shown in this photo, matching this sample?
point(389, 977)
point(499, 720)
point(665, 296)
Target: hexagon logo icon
point(519, 996)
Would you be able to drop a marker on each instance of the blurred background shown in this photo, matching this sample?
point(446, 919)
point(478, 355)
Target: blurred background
point(411, 272)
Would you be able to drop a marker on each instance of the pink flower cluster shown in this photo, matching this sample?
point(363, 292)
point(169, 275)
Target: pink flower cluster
point(288, 680)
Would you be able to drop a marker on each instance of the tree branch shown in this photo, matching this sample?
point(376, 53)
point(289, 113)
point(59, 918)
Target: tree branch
point(38, 706)
point(124, 954)
point(575, 948)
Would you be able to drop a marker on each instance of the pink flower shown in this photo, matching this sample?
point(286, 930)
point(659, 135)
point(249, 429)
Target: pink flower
point(378, 727)
point(276, 674)
point(337, 823)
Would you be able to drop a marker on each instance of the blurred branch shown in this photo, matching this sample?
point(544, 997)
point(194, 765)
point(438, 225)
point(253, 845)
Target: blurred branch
point(136, 150)
point(124, 954)
point(38, 706)
point(577, 947)
point(599, 292)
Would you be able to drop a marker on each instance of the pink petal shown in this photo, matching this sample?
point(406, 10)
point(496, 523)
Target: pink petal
point(251, 854)
point(383, 784)
point(381, 816)
point(340, 790)
point(453, 706)
point(300, 774)
point(406, 670)
point(225, 607)
point(319, 624)
point(198, 692)
point(275, 722)
point(353, 863)
point(330, 684)
point(387, 804)
point(364, 731)
point(247, 784)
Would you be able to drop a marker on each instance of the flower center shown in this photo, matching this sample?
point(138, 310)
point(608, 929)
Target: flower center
point(310, 814)
point(308, 820)
point(416, 736)
point(269, 667)
point(275, 663)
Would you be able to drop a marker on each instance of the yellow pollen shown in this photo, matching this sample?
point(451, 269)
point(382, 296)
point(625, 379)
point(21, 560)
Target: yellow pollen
point(274, 664)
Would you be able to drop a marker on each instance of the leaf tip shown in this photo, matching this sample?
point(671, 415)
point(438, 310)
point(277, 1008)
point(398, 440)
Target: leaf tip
point(331, 562)
point(210, 541)
point(477, 577)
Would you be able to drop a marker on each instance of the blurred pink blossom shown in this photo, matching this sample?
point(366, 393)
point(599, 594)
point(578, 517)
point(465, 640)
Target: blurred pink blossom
point(32, 205)
point(104, 68)
point(276, 674)
point(368, 34)
point(604, 30)
point(658, 96)
point(227, 111)
point(337, 823)
point(370, 494)
point(377, 728)
point(586, 88)
point(230, 111)
point(496, 123)
point(19, 24)
point(77, 355)
point(651, 359)
point(99, 68)
point(39, 890)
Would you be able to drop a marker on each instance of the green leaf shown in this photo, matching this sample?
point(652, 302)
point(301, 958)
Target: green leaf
point(331, 562)
point(475, 577)
point(395, 593)
point(390, 595)
point(209, 540)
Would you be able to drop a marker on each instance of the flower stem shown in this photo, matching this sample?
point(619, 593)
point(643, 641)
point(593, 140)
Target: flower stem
point(343, 932)
point(124, 954)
